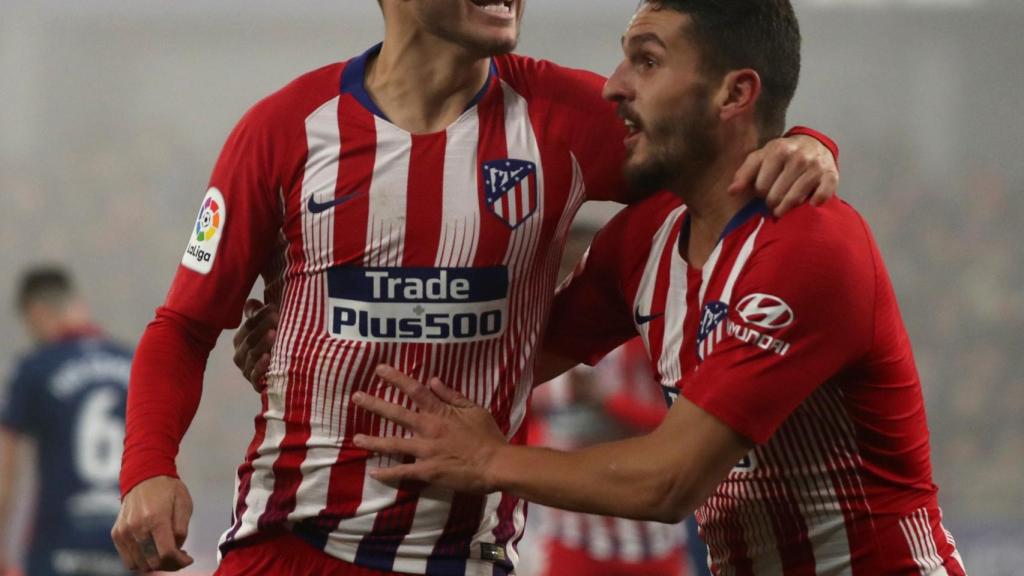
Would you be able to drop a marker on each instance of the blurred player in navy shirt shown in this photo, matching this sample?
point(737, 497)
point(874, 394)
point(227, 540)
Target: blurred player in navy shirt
point(67, 397)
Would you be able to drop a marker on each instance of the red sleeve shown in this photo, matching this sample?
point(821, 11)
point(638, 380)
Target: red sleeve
point(820, 137)
point(590, 317)
point(801, 312)
point(237, 226)
point(163, 395)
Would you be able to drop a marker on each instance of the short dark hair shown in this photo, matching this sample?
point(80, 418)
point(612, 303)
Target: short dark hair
point(763, 35)
point(48, 284)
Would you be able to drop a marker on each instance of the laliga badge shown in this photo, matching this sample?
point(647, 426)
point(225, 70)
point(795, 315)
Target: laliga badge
point(206, 235)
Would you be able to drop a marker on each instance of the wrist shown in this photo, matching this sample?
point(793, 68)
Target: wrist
point(494, 468)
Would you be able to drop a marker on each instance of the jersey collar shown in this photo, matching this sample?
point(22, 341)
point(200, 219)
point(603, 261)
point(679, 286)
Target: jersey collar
point(353, 82)
point(753, 208)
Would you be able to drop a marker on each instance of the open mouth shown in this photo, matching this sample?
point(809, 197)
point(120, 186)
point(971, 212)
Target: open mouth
point(632, 128)
point(633, 125)
point(503, 8)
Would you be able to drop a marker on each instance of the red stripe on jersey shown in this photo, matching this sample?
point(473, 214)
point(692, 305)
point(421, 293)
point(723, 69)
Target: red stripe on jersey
point(691, 322)
point(492, 146)
point(358, 134)
point(425, 199)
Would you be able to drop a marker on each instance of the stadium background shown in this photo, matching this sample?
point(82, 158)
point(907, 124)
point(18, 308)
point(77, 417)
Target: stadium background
point(112, 113)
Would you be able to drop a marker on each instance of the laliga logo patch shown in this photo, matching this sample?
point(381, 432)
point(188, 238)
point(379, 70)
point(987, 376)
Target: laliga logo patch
point(765, 311)
point(205, 237)
point(209, 220)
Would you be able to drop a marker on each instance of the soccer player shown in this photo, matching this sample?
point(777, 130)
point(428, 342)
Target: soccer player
point(68, 398)
point(798, 426)
point(407, 206)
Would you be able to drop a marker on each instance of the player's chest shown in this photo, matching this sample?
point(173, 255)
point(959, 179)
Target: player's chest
point(682, 312)
point(371, 194)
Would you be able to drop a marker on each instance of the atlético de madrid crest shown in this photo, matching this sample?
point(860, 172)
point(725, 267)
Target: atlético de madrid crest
point(510, 188)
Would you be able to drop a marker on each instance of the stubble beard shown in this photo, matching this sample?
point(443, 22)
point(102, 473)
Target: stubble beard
point(682, 149)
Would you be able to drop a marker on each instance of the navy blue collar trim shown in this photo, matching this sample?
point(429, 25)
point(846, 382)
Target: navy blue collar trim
point(753, 208)
point(353, 81)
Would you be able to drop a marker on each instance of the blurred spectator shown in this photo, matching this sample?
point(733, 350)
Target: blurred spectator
point(67, 397)
point(617, 399)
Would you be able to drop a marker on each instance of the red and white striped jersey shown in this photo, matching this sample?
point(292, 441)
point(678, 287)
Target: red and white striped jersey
point(790, 334)
point(436, 253)
point(623, 400)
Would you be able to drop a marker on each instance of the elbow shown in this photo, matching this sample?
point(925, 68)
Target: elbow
point(670, 512)
point(669, 501)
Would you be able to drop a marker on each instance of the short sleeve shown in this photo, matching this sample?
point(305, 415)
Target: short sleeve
point(589, 317)
point(19, 404)
point(801, 312)
point(236, 228)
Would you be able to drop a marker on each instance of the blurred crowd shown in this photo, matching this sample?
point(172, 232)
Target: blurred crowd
point(955, 258)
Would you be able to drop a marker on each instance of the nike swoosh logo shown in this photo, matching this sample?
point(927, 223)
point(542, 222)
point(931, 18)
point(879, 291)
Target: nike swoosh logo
point(315, 207)
point(641, 319)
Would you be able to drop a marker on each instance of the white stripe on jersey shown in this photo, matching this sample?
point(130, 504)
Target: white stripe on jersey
point(917, 531)
point(741, 261)
point(460, 216)
point(669, 365)
point(645, 293)
point(319, 183)
point(385, 234)
point(522, 143)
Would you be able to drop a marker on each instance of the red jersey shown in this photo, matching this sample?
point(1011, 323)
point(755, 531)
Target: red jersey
point(435, 253)
point(790, 334)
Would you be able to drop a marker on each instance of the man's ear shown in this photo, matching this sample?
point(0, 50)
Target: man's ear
point(740, 90)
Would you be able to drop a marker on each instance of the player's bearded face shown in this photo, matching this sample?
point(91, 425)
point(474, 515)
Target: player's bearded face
point(673, 142)
point(485, 27)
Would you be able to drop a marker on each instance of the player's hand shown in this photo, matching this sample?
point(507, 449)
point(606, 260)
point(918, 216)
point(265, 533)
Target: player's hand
point(254, 340)
point(153, 524)
point(454, 440)
point(787, 171)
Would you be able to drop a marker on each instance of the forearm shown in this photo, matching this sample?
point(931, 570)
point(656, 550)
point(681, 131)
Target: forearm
point(661, 476)
point(163, 395)
point(621, 478)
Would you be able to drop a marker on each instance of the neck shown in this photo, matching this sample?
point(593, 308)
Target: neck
point(709, 204)
point(423, 83)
